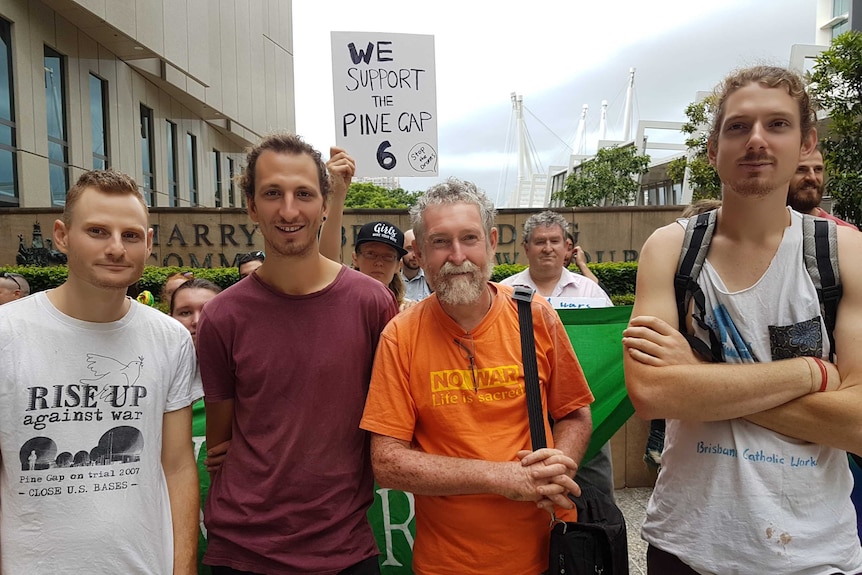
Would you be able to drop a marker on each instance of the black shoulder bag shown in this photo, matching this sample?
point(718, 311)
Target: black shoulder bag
point(597, 542)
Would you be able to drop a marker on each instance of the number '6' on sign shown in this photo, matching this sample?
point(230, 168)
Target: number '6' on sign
point(385, 159)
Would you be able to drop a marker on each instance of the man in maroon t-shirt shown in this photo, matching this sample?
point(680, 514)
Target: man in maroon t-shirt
point(285, 357)
point(806, 189)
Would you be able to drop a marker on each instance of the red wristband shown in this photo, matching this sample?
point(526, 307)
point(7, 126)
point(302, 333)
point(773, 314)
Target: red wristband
point(823, 377)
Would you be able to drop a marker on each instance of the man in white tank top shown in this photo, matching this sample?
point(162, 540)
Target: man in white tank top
point(754, 475)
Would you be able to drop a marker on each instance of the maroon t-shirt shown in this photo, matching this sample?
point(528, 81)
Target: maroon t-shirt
point(294, 490)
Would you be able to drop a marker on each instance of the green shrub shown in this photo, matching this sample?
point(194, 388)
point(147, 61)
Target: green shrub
point(154, 277)
point(42, 278)
point(503, 271)
point(617, 277)
point(623, 299)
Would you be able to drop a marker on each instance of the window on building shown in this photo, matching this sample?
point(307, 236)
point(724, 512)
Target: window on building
point(217, 177)
point(148, 171)
point(231, 186)
point(99, 122)
point(58, 144)
point(8, 172)
point(192, 150)
point(173, 165)
point(664, 193)
point(840, 8)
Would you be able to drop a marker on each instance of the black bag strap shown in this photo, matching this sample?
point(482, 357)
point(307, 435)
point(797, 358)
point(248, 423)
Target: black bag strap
point(695, 246)
point(523, 296)
point(820, 252)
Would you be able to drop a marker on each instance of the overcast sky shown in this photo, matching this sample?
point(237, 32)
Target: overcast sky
point(559, 55)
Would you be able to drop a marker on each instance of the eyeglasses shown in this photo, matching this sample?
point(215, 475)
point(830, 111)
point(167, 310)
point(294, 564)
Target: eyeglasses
point(469, 354)
point(189, 275)
point(9, 276)
point(252, 256)
point(373, 257)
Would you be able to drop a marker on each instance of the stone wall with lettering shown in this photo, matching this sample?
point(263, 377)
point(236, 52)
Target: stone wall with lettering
point(207, 237)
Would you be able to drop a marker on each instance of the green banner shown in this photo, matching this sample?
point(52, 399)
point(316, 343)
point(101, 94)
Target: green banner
point(597, 335)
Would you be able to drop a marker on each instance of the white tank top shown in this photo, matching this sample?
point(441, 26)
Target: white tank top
point(734, 497)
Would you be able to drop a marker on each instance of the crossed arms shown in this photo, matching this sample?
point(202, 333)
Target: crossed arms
point(665, 379)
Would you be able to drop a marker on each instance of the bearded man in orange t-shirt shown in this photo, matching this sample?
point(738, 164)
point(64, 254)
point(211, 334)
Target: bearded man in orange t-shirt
point(447, 408)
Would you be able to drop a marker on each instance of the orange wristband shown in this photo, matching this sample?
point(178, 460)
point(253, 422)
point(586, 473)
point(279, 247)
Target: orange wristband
point(823, 377)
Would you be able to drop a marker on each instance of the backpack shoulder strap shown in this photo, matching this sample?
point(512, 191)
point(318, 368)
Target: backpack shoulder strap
point(695, 246)
point(820, 253)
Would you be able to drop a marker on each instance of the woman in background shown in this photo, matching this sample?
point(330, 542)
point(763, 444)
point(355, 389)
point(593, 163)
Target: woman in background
point(187, 301)
point(377, 253)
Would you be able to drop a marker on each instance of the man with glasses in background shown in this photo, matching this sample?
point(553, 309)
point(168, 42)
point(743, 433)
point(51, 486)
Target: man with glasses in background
point(12, 287)
point(249, 262)
point(447, 408)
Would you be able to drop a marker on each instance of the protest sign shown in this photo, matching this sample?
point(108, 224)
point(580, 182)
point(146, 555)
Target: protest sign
point(385, 94)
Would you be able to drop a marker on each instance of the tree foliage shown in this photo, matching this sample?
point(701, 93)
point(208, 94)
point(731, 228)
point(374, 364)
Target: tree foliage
point(835, 85)
point(607, 179)
point(367, 195)
point(703, 178)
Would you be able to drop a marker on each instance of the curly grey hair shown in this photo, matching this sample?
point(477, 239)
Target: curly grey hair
point(452, 191)
point(544, 219)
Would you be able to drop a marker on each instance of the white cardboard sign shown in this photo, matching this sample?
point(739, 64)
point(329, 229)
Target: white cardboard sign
point(385, 93)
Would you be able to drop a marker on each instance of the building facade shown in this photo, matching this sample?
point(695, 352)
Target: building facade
point(168, 91)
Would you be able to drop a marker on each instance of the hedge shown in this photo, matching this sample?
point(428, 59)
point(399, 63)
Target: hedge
point(153, 278)
point(617, 277)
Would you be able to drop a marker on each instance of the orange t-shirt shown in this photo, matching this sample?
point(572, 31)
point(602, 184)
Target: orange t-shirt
point(422, 391)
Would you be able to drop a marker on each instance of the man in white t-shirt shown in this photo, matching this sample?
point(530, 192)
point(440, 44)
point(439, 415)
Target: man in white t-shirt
point(754, 475)
point(98, 473)
point(545, 247)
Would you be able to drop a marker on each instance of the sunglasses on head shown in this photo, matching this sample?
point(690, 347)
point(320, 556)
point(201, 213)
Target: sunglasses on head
point(252, 256)
point(9, 276)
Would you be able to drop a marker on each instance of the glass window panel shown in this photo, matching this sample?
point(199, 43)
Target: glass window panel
point(7, 135)
point(840, 29)
point(59, 184)
point(191, 150)
point(7, 173)
point(99, 121)
point(173, 196)
point(840, 7)
point(5, 71)
point(217, 177)
point(231, 186)
point(147, 151)
point(54, 97)
point(56, 152)
point(171, 152)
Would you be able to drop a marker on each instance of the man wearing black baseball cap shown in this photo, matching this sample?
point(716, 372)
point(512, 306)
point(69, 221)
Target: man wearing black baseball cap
point(377, 253)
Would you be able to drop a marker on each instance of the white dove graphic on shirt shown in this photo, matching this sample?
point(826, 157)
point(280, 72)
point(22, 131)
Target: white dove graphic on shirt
point(109, 371)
